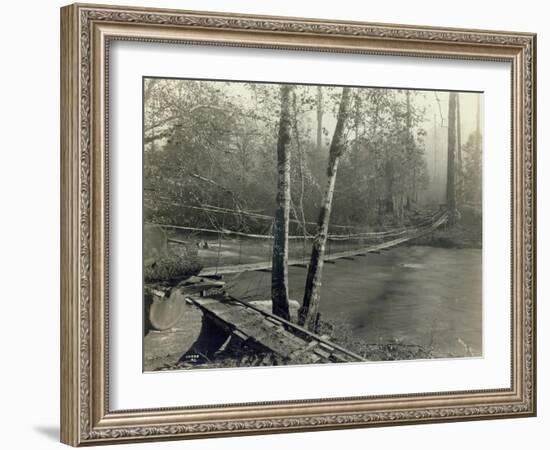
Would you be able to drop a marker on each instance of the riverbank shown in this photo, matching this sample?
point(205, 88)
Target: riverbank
point(466, 233)
point(341, 333)
point(457, 236)
point(235, 353)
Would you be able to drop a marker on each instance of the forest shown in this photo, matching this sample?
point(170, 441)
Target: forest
point(213, 145)
point(303, 165)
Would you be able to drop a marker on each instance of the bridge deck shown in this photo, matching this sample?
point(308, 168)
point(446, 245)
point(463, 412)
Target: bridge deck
point(259, 327)
point(266, 265)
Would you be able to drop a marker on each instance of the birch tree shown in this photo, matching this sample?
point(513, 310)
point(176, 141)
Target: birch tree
point(312, 294)
point(279, 274)
point(319, 119)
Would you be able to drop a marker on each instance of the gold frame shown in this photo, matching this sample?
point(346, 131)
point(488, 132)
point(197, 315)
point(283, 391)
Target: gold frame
point(86, 31)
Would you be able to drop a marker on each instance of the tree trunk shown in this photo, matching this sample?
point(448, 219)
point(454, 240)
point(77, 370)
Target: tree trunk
point(279, 274)
point(414, 193)
point(319, 119)
point(410, 150)
point(435, 155)
point(478, 124)
point(388, 177)
point(301, 170)
point(301, 162)
point(460, 180)
point(357, 102)
point(312, 294)
point(451, 144)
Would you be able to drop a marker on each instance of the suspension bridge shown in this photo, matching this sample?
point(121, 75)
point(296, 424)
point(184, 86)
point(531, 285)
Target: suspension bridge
point(225, 316)
point(222, 258)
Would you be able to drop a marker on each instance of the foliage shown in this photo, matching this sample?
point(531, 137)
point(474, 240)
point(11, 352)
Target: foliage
point(472, 169)
point(170, 268)
point(213, 144)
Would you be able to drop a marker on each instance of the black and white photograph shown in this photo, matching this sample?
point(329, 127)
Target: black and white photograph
point(275, 225)
point(290, 224)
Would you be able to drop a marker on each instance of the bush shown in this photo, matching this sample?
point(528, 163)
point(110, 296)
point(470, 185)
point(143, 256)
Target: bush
point(171, 268)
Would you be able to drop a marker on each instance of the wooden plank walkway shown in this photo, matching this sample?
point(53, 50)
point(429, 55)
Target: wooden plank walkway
point(266, 265)
point(258, 327)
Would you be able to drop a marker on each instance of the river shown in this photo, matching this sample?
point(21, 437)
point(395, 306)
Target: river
point(419, 295)
point(416, 295)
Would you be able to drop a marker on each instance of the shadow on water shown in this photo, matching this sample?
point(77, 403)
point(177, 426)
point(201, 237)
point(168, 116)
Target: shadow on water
point(417, 295)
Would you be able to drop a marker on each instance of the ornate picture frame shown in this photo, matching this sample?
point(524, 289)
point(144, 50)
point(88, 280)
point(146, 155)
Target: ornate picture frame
point(87, 32)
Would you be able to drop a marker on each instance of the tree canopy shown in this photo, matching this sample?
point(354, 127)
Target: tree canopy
point(210, 154)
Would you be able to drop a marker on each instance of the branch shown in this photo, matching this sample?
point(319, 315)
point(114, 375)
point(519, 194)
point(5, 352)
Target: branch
point(149, 88)
point(156, 137)
point(162, 122)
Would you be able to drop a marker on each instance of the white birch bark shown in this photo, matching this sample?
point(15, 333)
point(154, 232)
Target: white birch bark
point(312, 294)
point(279, 273)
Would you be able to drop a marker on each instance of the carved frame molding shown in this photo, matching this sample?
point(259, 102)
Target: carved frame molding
point(86, 31)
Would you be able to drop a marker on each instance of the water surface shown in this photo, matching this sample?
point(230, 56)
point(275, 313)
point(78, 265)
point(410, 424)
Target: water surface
point(417, 295)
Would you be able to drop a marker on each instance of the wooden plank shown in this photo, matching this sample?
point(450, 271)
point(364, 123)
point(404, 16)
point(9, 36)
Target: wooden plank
point(303, 350)
point(295, 340)
point(238, 316)
point(202, 301)
point(322, 353)
point(258, 329)
point(232, 315)
point(326, 347)
point(248, 323)
point(339, 357)
point(240, 335)
point(272, 332)
point(264, 328)
point(277, 342)
point(273, 337)
point(304, 331)
point(212, 304)
point(272, 320)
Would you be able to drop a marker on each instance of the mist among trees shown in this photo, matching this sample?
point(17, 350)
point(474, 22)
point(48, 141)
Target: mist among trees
point(277, 160)
point(214, 144)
